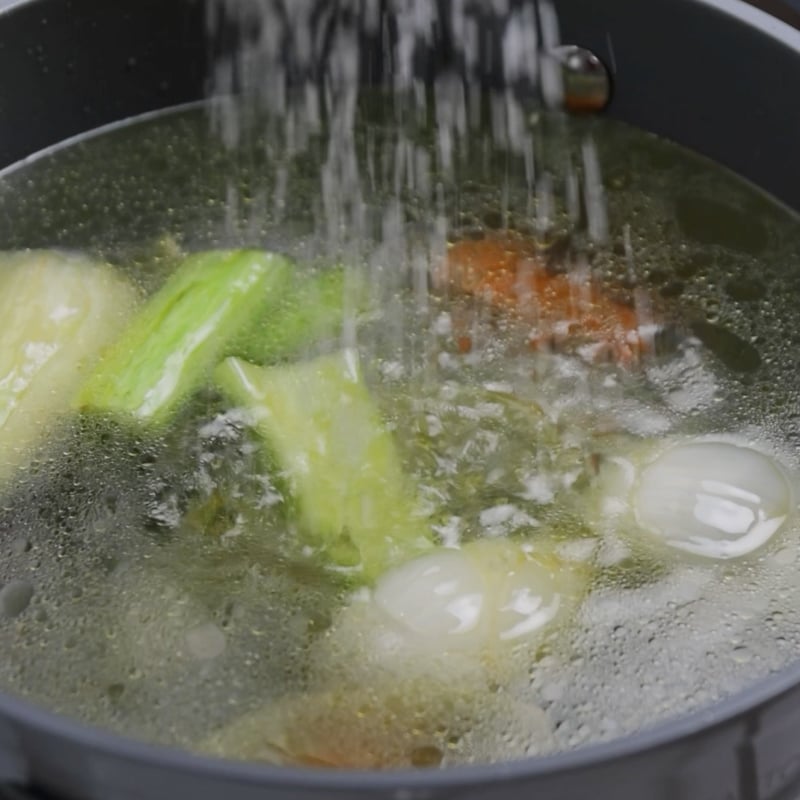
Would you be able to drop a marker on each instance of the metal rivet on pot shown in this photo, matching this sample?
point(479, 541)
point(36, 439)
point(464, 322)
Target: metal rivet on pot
point(586, 83)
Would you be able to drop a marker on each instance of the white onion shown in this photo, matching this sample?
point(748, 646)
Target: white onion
point(713, 499)
point(455, 617)
point(442, 594)
point(474, 598)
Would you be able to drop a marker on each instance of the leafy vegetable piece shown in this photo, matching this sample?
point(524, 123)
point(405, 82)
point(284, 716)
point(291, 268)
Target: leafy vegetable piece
point(315, 308)
point(183, 331)
point(341, 464)
point(58, 310)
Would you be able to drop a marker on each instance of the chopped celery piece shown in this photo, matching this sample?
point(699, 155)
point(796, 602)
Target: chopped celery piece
point(315, 308)
point(340, 462)
point(183, 331)
point(59, 311)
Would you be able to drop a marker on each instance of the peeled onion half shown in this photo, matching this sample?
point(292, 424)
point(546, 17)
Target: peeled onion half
point(452, 613)
point(476, 597)
point(713, 499)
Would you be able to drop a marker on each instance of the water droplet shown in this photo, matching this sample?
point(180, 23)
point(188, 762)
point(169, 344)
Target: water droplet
point(741, 655)
point(206, 641)
point(15, 597)
point(426, 756)
point(115, 691)
point(20, 546)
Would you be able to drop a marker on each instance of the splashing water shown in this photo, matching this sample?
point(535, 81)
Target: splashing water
point(406, 100)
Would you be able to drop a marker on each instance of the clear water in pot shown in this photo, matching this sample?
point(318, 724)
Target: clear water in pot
point(151, 584)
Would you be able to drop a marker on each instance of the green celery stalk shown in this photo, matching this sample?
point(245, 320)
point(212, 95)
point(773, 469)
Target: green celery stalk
point(183, 330)
point(341, 464)
point(59, 311)
point(314, 309)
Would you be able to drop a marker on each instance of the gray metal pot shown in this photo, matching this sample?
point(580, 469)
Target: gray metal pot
point(717, 76)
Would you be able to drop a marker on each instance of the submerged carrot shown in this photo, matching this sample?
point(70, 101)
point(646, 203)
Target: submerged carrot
point(507, 271)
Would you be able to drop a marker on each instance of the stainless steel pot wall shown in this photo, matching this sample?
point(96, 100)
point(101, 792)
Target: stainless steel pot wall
point(718, 76)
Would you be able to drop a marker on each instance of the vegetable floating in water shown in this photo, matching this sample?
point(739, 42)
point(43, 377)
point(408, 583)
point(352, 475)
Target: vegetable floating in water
point(59, 311)
point(409, 663)
point(710, 498)
point(312, 309)
point(182, 333)
point(436, 628)
point(341, 464)
point(474, 599)
point(399, 723)
point(507, 272)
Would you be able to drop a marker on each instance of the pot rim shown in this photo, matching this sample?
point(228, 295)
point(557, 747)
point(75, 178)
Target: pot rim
point(733, 708)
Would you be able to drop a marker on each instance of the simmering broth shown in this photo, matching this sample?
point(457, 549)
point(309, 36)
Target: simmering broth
point(156, 581)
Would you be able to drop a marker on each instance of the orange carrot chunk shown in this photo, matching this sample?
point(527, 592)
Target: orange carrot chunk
point(507, 271)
